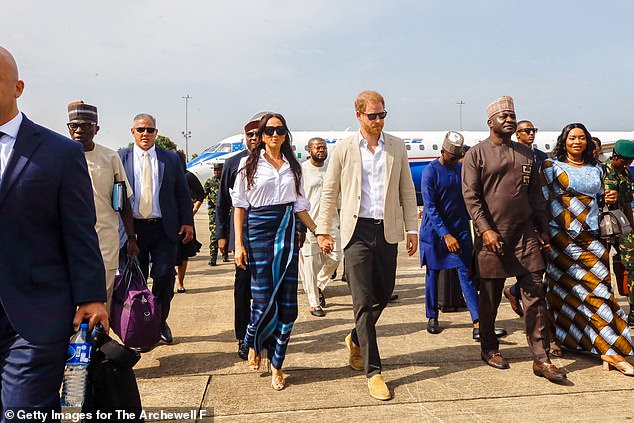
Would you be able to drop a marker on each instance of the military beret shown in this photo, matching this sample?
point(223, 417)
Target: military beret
point(625, 149)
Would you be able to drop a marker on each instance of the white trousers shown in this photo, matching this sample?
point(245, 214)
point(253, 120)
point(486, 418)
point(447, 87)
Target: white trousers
point(317, 270)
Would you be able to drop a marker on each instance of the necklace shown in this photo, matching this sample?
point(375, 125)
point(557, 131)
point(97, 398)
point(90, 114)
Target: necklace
point(582, 162)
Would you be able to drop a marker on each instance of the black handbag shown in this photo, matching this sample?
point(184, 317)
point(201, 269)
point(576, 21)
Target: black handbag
point(111, 382)
point(613, 224)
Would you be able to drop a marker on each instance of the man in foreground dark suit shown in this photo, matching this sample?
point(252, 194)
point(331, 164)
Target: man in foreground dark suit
point(162, 210)
point(51, 272)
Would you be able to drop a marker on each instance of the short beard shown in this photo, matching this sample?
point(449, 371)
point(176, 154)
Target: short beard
point(319, 160)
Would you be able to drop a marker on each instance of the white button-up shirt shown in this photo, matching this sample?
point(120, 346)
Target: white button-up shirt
point(270, 187)
point(138, 179)
point(7, 141)
point(372, 179)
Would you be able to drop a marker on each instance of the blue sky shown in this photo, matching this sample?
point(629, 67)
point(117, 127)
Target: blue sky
point(562, 61)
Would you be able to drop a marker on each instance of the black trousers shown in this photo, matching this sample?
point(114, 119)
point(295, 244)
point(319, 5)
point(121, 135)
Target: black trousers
point(242, 302)
point(156, 247)
point(371, 271)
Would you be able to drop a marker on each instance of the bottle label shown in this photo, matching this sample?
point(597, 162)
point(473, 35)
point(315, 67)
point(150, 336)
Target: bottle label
point(78, 354)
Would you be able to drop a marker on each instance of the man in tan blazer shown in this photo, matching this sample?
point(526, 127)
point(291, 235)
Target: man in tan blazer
point(378, 204)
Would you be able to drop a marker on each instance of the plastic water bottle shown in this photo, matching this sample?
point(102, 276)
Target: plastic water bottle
point(76, 372)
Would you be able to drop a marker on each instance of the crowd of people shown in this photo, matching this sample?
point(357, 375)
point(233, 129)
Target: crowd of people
point(496, 210)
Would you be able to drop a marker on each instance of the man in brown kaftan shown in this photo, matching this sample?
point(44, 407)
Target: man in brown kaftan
point(501, 189)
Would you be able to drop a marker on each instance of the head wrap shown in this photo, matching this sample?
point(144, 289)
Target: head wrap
point(625, 149)
point(254, 121)
point(78, 110)
point(453, 143)
point(502, 104)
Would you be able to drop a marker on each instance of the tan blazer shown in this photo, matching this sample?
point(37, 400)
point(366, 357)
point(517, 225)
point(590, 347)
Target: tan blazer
point(344, 176)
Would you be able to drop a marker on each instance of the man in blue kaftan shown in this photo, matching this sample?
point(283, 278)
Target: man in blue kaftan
point(445, 237)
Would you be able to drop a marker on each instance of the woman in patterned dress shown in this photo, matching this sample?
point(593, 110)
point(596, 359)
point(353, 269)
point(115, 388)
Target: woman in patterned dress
point(586, 315)
point(269, 197)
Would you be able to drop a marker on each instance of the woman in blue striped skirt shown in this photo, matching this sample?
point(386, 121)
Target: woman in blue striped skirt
point(269, 197)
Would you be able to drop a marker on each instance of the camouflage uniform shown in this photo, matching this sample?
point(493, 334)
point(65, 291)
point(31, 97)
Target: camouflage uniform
point(212, 185)
point(622, 179)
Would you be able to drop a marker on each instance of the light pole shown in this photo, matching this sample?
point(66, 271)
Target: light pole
point(460, 104)
point(187, 133)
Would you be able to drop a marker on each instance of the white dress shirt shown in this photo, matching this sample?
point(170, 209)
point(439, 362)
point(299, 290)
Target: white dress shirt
point(138, 177)
point(7, 141)
point(372, 179)
point(270, 187)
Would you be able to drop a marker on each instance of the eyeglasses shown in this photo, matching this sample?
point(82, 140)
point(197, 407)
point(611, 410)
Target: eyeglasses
point(373, 116)
point(84, 125)
point(270, 130)
point(252, 134)
point(142, 130)
point(528, 130)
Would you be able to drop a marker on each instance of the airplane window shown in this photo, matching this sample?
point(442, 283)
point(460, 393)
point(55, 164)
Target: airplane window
point(547, 146)
point(421, 147)
point(305, 148)
point(435, 147)
point(294, 148)
point(408, 147)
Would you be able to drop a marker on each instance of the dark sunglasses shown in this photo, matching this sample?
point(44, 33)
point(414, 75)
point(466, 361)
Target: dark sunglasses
point(142, 130)
point(270, 130)
point(252, 134)
point(84, 126)
point(373, 116)
point(529, 130)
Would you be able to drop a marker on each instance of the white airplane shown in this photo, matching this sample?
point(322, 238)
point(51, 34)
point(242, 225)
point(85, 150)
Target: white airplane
point(422, 147)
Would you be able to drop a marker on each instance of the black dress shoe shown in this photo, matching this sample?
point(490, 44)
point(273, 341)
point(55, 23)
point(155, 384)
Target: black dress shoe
point(226, 259)
point(495, 359)
point(142, 349)
point(212, 262)
point(322, 298)
point(334, 275)
point(166, 334)
point(433, 326)
point(499, 332)
point(318, 312)
point(393, 298)
point(243, 350)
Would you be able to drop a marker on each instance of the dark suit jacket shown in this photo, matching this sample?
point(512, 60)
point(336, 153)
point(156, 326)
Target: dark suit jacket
point(50, 259)
point(174, 198)
point(224, 203)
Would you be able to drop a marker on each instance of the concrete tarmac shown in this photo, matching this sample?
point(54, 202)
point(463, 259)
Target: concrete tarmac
point(434, 378)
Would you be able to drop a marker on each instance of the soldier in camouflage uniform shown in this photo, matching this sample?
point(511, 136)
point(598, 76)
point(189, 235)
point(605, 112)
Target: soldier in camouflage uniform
point(618, 195)
point(212, 186)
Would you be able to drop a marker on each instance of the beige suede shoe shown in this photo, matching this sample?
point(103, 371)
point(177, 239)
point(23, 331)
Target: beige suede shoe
point(378, 388)
point(354, 354)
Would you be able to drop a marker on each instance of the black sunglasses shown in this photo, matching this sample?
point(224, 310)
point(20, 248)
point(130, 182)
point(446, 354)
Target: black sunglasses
point(252, 134)
point(373, 116)
point(142, 130)
point(529, 130)
point(270, 130)
point(84, 126)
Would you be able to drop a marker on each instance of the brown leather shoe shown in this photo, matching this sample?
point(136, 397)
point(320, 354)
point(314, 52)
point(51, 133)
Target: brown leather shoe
point(516, 305)
point(378, 388)
point(495, 359)
point(548, 370)
point(354, 354)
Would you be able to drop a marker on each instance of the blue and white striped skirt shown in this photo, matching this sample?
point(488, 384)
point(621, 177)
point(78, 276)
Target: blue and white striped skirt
point(272, 254)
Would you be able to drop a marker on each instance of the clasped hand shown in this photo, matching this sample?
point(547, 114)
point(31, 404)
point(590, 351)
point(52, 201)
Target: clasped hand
point(326, 243)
